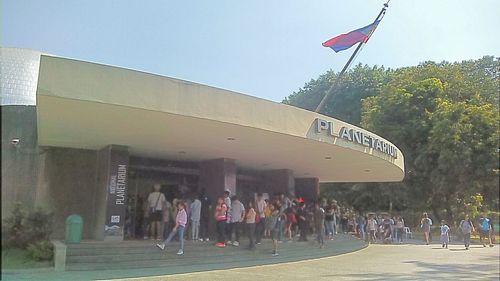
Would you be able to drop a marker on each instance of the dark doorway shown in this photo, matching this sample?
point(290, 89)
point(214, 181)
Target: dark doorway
point(141, 181)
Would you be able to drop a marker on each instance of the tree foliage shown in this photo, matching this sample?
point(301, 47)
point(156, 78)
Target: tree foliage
point(443, 116)
point(356, 85)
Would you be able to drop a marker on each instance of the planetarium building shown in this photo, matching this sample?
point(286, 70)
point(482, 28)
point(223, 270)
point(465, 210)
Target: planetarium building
point(92, 139)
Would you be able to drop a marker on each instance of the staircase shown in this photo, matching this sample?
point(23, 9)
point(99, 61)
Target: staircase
point(100, 255)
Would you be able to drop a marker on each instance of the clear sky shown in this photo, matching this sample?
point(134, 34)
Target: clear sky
point(263, 48)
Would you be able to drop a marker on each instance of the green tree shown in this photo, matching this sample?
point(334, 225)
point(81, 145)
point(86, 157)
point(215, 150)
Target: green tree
point(443, 116)
point(463, 144)
point(345, 104)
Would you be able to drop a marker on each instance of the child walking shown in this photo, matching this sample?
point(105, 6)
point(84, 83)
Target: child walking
point(180, 224)
point(445, 234)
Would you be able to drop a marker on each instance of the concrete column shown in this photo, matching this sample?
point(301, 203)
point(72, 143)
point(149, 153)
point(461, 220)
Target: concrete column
point(111, 192)
point(308, 188)
point(278, 181)
point(216, 176)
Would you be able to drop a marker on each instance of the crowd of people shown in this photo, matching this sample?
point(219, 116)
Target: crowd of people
point(279, 218)
point(282, 219)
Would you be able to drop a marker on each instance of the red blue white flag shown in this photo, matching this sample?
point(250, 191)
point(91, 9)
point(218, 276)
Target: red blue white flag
point(345, 41)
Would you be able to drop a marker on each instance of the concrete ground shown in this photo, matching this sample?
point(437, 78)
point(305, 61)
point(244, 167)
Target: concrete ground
point(376, 262)
point(142, 258)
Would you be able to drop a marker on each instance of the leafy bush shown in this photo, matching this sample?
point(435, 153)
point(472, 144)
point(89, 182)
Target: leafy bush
point(23, 228)
point(15, 228)
point(39, 225)
point(41, 250)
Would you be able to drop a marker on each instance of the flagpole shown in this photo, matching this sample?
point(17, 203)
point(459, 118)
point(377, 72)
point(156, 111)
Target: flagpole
point(346, 66)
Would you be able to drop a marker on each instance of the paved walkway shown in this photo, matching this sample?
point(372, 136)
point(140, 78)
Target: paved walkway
point(198, 257)
point(412, 261)
point(377, 262)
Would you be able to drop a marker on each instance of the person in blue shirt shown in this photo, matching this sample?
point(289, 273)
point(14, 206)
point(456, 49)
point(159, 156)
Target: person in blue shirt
point(484, 230)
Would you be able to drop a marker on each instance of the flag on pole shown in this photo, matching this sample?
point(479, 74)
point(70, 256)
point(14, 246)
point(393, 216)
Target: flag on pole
point(345, 41)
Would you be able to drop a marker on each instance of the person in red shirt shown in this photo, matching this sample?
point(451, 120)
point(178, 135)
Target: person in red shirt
point(291, 221)
point(221, 218)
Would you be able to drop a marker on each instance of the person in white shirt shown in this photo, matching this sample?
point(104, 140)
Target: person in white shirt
point(227, 201)
point(466, 227)
point(236, 217)
point(156, 202)
point(426, 224)
point(400, 224)
point(260, 205)
point(445, 236)
point(195, 219)
point(371, 226)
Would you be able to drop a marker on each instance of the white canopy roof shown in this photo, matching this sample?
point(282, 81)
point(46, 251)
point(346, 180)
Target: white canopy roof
point(87, 105)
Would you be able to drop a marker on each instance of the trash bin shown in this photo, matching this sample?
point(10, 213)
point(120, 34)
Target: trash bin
point(74, 229)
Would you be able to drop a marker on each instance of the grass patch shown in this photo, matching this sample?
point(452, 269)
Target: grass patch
point(21, 259)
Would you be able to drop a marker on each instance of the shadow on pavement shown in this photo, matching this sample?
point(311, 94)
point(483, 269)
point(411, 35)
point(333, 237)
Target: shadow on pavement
point(426, 275)
point(429, 271)
point(455, 271)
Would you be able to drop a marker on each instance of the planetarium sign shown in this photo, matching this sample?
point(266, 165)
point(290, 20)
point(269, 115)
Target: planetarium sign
point(355, 136)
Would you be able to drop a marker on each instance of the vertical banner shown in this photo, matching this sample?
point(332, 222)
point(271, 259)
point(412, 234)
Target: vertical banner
point(116, 195)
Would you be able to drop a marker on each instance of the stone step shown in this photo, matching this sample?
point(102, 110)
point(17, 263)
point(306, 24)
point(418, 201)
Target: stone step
point(172, 260)
point(144, 254)
point(141, 243)
point(222, 254)
point(151, 248)
point(119, 251)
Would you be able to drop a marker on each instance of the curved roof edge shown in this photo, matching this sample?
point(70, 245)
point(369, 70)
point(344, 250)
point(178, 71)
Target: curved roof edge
point(79, 80)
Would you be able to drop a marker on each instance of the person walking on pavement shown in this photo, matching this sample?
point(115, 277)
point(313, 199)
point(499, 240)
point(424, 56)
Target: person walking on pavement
point(180, 224)
point(466, 227)
point(425, 224)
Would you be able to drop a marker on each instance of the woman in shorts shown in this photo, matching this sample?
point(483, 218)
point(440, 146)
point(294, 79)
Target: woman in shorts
point(425, 224)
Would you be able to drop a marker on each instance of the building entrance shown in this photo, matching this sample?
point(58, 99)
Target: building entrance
point(174, 185)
